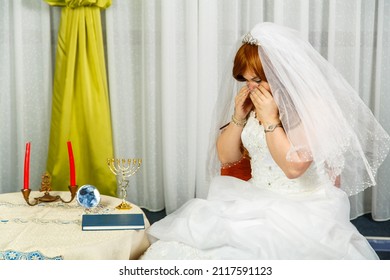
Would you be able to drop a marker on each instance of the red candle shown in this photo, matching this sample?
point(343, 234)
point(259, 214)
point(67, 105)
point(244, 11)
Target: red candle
point(27, 166)
point(71, 165)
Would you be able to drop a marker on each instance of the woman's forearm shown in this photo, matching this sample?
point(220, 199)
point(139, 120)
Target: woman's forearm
point(229, 144)
point(279, 146)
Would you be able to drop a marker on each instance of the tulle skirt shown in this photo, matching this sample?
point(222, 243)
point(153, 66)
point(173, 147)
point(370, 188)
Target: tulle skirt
point(240, 221)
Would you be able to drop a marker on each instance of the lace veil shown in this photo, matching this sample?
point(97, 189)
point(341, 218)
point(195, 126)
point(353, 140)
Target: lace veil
point(323, 116)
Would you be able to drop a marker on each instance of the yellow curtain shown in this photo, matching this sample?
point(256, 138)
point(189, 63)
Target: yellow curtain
point(80, 108)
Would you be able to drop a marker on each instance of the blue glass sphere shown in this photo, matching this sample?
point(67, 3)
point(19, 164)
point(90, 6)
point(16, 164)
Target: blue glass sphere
point(88, 196)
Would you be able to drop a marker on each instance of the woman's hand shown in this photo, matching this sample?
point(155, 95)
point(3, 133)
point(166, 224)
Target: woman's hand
point(267, 111)
point(243, 104)
point(229, 141)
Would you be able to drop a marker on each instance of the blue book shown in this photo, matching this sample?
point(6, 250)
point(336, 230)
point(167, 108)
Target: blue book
point(112, 221)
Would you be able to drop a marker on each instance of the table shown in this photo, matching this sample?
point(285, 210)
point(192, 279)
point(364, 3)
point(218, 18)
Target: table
point(53, 231)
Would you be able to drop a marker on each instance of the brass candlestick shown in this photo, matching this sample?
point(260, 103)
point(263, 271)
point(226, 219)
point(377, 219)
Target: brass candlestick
point(47, 197)
point(124, 168)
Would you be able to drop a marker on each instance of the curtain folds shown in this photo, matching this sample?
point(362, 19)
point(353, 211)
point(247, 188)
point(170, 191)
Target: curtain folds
point(165, 63)
point(103, 4)
point(25, 90)
point(80, 109)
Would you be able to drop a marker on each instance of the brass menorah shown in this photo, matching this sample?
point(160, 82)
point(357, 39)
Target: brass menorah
point(124, 168)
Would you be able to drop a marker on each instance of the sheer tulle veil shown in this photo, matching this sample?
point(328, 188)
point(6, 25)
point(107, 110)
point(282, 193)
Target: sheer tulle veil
point(323, 116)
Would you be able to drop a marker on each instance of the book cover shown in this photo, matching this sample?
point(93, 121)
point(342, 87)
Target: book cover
point(112, 221)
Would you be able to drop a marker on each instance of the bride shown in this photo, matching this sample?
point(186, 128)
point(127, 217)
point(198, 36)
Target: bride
point(311, 143)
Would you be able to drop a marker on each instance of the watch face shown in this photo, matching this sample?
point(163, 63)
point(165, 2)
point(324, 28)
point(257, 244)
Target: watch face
point(272, 127)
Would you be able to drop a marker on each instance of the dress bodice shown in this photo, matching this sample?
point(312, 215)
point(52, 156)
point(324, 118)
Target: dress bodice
point(265, 172)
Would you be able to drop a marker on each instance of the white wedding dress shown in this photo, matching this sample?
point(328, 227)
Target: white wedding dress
point(269, 217)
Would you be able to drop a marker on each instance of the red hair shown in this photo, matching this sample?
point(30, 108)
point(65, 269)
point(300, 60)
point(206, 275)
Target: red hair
point(247, 58)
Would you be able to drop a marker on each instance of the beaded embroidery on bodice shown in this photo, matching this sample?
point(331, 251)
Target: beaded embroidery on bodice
point(265, 172)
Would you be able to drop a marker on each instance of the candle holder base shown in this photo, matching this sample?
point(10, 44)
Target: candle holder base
point(124, 206)
point(47, 197)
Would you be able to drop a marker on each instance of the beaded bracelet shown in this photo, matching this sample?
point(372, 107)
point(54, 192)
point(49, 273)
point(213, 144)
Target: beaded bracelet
point(237, 122)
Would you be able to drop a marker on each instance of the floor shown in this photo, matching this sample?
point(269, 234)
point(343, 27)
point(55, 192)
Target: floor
point(377, 233)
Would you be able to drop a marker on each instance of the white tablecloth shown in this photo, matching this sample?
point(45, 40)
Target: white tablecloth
point(53, 230)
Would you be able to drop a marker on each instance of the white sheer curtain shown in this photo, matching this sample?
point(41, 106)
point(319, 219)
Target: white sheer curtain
point(25, 90)
point(165, 60)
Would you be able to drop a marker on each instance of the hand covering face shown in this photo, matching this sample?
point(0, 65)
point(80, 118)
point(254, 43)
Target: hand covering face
point(323, 116)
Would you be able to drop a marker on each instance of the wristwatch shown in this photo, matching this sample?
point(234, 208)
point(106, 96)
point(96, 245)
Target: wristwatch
point(271, 127)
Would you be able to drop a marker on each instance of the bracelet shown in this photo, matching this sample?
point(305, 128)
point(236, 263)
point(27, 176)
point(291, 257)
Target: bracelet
point(271, 127)
point(237, 122)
